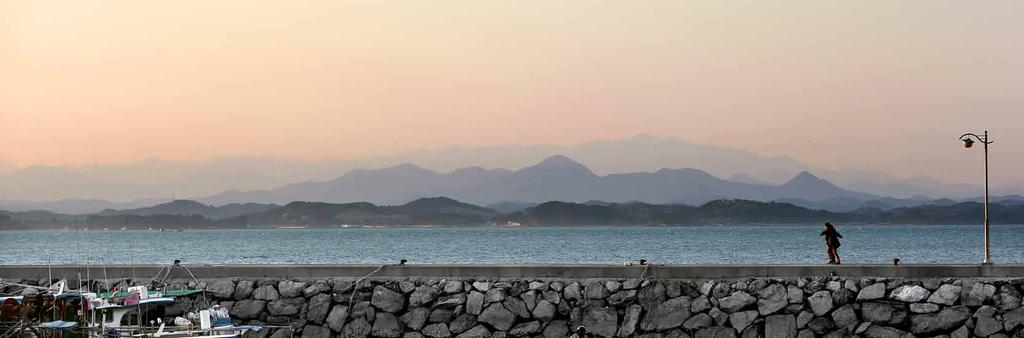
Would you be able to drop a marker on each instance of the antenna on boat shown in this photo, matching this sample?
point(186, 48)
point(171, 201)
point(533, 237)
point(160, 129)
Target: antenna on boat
point(131, 258)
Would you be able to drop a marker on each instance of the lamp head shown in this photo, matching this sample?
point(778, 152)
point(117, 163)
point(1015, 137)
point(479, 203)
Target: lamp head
point(968, 143)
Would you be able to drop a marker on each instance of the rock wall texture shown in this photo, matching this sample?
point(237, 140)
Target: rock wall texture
point(752, 307)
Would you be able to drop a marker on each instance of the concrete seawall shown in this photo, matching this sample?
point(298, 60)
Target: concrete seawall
point(467, 301)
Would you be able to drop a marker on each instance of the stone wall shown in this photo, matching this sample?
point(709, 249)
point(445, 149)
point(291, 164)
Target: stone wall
point(750, 307)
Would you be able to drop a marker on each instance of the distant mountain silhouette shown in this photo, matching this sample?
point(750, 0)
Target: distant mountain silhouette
point(192, 208)
point(555, 178)
point(436, 210)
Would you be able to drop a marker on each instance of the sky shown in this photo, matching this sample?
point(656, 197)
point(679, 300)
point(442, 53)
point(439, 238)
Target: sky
point(840, 84)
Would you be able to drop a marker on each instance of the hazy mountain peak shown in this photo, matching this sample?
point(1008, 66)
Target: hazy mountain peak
point(560, 163)
point(805, 177)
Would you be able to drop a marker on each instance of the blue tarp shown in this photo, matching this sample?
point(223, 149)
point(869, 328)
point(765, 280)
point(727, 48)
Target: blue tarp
point(58, 325)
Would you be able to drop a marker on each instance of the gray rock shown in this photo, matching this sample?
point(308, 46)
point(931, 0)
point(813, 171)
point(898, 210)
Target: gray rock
point(667, 315)
point(462, 323)
point(404, 286)
point(336, 318)
point(700, 304)
point(1008, 298)
point(909, 293)
point(947, 294)
point(803, 318)
point(845, 317)
point(530, 298)
point(221, 288)
point(386, 325)
point(944, 321)
point(755, 330)
point(677, 333)
point(544, 310)
point(876, 312)
point(285, 306)
point(554, 297)
point(436, 330)
point(482, 286)
point(495, 295)
point(821, 302)
point(387, 300)
point(538, 286)
point(452, 286)
point(497, 317)
point(705, 289)
point(527, 329)
point(439, 315)
point(315, 331)
point(517, 306)
point(986, 326)
point(422, 295)
point(283, 333)
point(862, 328)
point(612, 286)
point(962, 332)
point(924, 308)
point(736, 301)
point(794, 294)
point(478, 331)
point(740, 320)
point(878, 331)
point(266, 292)
point(872, 292)
point(771, 299)
point(571, 292)
point(474, 303)
point(318, 308)
point(651, 295)
point(821, 325)
point(243, 290)
point(412, 335)
point(719, 316)
point(631, 284)
point(415, 318)
point(716, 332)
point(1013, 319)
point(622, 297)
point(450, 301)
point(780, 326)
point(805, 334)
point(629, 320)
point(601, 321)
point(358, 328)
point(362, 309)
point(699, 321)
point(290, 289)
point(976, 294)
point(317, 288)
point(247, 309)
point(556, 329)
point(850, 285)
point(985, 311)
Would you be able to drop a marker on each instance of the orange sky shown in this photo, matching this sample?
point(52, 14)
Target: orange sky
point(866, 84)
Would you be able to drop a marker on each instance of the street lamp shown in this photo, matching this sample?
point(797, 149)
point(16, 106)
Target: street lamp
point(969, 140)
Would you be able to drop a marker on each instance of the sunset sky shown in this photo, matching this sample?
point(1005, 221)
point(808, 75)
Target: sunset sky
point(884, 85)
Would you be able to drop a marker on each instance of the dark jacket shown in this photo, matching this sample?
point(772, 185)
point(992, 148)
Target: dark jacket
point(832, 238)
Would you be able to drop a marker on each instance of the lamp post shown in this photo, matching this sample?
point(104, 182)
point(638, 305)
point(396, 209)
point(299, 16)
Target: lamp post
point(969, 140)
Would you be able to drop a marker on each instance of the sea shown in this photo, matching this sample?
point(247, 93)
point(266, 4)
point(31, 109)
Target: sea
point(748, 244)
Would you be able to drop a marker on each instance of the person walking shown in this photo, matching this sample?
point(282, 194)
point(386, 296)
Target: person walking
point(832, 243)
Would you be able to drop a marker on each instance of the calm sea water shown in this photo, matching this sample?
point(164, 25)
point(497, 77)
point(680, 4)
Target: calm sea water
point(707, 244)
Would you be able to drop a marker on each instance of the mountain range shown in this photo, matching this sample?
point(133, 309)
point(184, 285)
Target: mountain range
point(555, 178)
point(91, 188)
